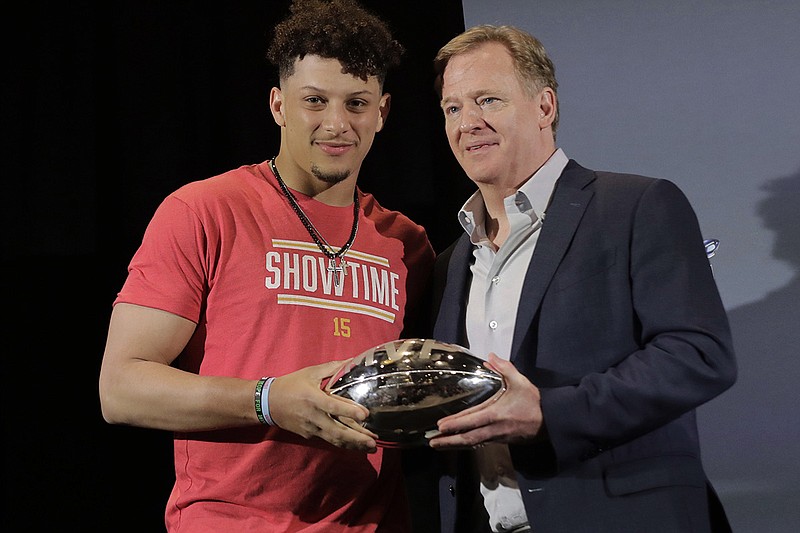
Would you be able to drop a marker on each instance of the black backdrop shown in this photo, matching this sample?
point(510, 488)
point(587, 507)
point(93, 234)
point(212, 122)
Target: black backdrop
point(108, 108)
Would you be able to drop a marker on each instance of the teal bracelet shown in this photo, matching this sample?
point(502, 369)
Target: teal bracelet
point(262, 401)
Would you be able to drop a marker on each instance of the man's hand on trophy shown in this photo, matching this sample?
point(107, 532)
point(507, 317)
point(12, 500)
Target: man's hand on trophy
point(514, 416)
point(298, 404)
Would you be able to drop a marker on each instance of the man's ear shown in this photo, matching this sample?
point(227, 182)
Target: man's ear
point(383, 110)
point(547, 107)
point(276, 106)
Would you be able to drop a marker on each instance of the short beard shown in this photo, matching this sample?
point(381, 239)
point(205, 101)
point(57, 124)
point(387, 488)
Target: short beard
point(329, 177)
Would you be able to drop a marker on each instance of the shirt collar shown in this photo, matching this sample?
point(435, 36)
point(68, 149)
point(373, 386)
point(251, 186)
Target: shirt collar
point(532, 197)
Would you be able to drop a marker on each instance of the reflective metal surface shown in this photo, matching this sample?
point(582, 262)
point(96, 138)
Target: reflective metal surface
point(409, 384)
point(711, 247)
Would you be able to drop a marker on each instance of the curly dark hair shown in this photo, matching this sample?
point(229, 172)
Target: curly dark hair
point(335, 29)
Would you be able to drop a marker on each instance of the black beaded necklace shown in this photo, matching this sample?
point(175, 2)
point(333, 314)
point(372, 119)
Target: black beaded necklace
point(336, 261)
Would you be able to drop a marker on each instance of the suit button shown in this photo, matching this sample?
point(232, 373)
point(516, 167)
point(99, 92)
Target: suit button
point(452, 490)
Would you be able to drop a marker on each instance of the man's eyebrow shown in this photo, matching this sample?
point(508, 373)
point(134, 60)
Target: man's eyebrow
point(447, 100)
point(315, 89)
point(472, 95)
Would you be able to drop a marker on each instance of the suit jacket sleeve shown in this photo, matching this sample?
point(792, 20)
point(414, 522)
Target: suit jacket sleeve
point(631, 333)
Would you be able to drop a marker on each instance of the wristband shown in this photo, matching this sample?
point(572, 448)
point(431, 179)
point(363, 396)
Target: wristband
point(262, 401)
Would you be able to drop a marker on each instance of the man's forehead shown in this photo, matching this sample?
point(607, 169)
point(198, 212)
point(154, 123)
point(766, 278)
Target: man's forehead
point(319, 72)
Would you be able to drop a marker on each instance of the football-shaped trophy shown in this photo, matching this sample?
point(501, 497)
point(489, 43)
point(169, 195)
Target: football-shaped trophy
point(409, 384)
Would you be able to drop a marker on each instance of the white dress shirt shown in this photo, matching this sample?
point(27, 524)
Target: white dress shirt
point(497, 278)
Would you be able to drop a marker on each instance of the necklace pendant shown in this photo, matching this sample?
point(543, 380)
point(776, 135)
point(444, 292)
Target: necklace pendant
point(338, 270)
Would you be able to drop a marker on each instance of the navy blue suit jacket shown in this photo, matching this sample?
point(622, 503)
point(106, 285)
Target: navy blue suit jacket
point(621, 326)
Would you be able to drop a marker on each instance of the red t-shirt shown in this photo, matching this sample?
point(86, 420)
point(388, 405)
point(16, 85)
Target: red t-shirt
point(230, 254)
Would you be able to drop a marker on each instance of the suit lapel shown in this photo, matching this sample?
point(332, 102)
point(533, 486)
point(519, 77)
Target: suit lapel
point(450, 322)
point(563, 215)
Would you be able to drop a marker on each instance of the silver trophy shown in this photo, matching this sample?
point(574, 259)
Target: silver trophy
point(409, 384)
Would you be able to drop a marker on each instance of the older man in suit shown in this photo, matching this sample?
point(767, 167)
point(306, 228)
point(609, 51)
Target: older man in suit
point(591, 293)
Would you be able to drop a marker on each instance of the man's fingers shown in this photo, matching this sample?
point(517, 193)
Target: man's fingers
point(462, 416)
point(345, 408)
point(352, 424)
point(326, 370)
point(302, 407)
point(502, 367)
point(468, 439)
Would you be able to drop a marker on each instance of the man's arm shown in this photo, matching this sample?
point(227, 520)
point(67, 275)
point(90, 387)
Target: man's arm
point(139, 387)
point(683, 352)
point(685, 359)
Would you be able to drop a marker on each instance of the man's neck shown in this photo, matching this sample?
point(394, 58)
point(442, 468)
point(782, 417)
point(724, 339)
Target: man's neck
point(495, 192)
point(296, 178)
point(495, 221)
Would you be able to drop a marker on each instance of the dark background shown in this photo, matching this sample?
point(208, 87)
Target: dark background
point(108, 108)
